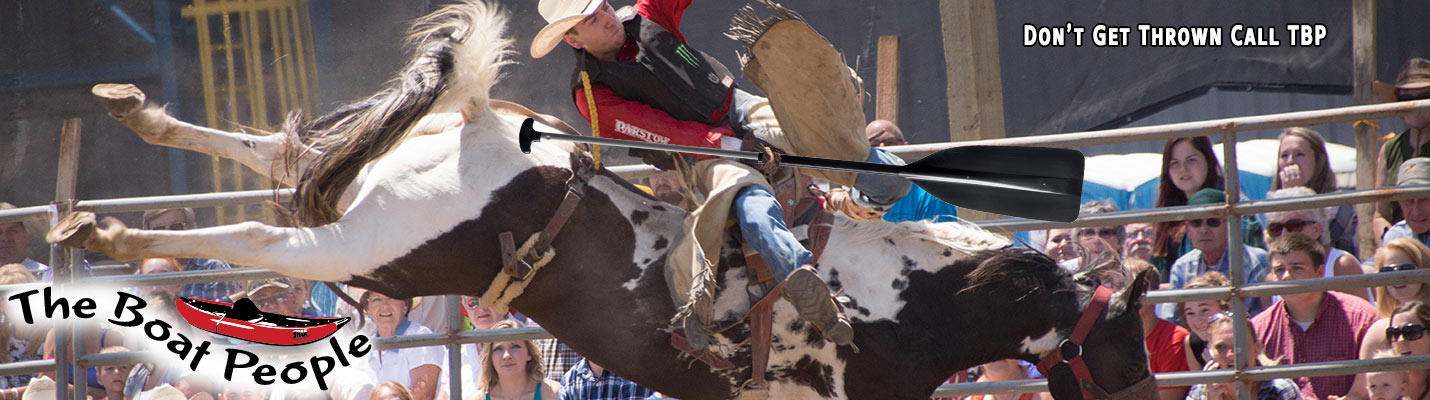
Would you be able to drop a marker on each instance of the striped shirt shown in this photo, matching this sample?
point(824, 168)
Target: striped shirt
point(582, 384)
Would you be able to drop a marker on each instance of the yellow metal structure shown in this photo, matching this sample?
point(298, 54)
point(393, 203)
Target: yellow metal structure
point(257, 65)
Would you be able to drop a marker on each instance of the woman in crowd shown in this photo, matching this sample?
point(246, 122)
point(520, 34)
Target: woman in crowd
point(23, 341)
point(1197, 315)
point(1222, 342)
point(1314, 224)
point(1396, 255)
point(481, 318)
point(1301, 161)
point(1188, 166)
point(416, 368)
point(513, 371)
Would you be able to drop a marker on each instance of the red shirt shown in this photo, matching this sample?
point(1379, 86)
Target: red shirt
point(1336, 334)
point(623, 119)
point(1166, 348)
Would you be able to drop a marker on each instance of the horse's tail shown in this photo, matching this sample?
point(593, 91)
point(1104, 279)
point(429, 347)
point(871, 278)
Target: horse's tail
point(459, 54)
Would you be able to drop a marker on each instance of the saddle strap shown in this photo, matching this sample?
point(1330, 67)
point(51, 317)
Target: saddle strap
point(761, 322)
point(581, 172)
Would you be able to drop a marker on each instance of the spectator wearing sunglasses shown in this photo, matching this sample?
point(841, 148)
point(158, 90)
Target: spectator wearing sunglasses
point(178, 219)
point(1403, 254)
point(1406, 335)
point(1313, 326)
point(1312, 223)
point(1416, 225)
point(480, 318)
point(1100, 240)
point(1413, 83)
point(1210, 250)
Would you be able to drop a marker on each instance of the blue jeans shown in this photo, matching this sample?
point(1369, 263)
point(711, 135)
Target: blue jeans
point(762, 222)
point(873, 191)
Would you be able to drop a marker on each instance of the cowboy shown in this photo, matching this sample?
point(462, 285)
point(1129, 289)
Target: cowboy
point(1413, 83)
point(646, 83)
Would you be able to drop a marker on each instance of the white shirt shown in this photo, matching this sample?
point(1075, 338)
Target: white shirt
point(397, 365)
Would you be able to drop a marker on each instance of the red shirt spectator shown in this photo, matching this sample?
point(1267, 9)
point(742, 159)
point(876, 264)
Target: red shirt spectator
point(1336, 333)
point(1166, 348)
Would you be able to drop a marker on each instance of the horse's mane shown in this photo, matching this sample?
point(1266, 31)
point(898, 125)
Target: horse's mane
point(1017, 269)
point(459, 50)
point(958, 234)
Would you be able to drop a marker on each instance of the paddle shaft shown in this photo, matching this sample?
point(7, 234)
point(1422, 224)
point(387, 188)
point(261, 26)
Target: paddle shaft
point(798, 161)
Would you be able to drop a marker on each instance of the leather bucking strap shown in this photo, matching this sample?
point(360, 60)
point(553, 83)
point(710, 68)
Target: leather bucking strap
point(519, 266)
point(761, 329)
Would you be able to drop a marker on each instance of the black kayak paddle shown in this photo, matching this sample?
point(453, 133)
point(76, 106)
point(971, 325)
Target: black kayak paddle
point(1029, 182)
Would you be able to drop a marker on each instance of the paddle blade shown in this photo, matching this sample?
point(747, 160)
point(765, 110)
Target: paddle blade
point(527, 135)
point(1031, 182)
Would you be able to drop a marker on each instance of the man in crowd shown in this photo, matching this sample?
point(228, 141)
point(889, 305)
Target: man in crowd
point(589, 381)
point(1412, 83)
point(1415, 171)
point(1211, 250)
point(918, 204)
point(1137, 242)
point(178, 219)
point(1312, 326)
point(15, 245)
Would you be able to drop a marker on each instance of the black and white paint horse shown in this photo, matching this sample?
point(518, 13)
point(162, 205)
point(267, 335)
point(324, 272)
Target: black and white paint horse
point(432, 174)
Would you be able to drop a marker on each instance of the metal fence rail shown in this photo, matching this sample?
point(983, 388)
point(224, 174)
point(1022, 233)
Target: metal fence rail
point(1227, 128)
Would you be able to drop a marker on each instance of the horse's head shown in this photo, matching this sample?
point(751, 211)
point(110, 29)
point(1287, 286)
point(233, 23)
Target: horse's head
point(1105, 357)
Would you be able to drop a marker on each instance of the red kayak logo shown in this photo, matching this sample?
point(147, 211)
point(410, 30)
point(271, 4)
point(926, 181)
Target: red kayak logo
point(244, 321)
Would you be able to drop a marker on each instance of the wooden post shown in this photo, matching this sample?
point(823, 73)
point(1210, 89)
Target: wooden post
point(66, 179)
point(975, 83)
point(886, 101)
point(67, 176)
point(1367, 141)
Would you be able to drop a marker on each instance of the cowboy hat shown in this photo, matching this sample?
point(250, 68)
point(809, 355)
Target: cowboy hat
point(1414, 74)
point(561, 16)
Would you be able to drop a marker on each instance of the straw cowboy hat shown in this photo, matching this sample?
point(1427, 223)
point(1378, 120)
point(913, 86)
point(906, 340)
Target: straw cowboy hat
point(359, 294)
point(561, 16)
point(1415, 74)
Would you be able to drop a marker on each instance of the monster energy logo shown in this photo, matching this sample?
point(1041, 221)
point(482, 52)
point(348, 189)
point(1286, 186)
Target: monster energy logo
point(686, 55)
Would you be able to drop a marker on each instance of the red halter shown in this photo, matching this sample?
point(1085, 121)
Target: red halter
point(1069, 352)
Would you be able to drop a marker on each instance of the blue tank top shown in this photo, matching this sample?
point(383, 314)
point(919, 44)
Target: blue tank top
point(537, 397)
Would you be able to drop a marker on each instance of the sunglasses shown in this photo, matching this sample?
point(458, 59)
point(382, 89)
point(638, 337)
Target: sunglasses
point(1098, 232)
point(1294, 225)
point(1397, 267)
point(471, 303)
point(1409, 97)
point(1211, 222)
point(1407, 332)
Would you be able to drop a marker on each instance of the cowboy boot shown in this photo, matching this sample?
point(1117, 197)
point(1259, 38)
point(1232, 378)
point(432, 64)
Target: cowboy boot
point(811, 298)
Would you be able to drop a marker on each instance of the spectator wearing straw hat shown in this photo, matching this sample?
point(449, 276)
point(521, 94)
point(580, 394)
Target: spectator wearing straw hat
point(1413, 83)
point(1211, 252)
point(1416, 225)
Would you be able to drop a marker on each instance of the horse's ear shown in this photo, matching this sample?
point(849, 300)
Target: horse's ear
point(1135, 291)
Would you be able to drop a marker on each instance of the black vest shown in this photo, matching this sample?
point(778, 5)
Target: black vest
point(666, 74)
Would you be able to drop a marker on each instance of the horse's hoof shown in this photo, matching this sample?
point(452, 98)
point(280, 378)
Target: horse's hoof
point(73, 230)
point(119, 99)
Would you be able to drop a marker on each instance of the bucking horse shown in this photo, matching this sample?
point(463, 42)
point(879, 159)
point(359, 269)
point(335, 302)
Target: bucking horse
point(408, 191)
